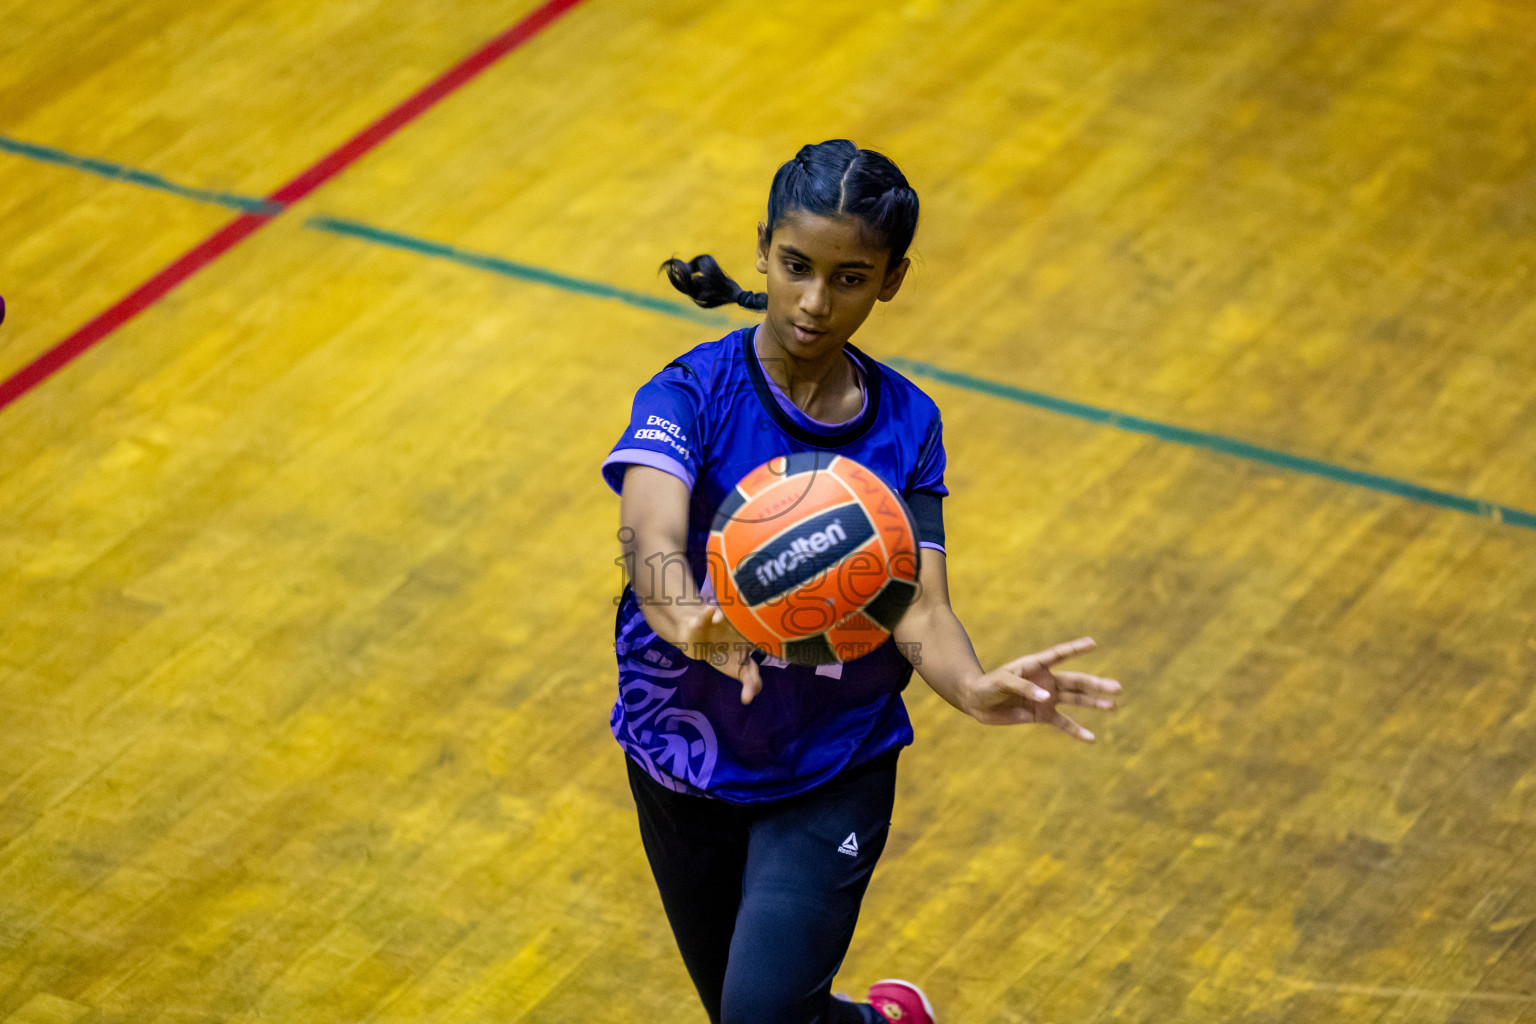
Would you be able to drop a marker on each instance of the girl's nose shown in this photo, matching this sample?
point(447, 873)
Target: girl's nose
point(816, 299)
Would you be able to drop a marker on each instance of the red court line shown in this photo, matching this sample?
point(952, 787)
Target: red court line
point(243, 226)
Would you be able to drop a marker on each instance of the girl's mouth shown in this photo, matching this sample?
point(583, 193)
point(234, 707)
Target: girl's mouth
point(806, 333)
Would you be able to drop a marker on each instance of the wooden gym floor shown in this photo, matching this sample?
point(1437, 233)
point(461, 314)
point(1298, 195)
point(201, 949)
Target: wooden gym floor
point(306, 566)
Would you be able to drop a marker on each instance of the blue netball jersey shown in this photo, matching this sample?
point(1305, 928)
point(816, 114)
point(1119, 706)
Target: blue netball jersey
point(709, 418)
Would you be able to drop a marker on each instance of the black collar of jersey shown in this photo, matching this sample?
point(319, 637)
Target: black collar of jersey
point(838, 439)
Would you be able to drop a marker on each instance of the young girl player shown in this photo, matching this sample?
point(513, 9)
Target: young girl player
point(765, 789)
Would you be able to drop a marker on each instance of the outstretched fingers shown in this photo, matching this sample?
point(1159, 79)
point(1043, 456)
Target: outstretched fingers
point(1050, 656)
point(1028, 690)
point(1082, 700)
point(1086, 691)
point(1045, 692)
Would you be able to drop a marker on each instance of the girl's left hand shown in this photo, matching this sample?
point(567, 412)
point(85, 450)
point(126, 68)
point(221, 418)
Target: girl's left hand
point(1025, 690)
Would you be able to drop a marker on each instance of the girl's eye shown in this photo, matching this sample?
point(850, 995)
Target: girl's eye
point(795, 267)
point(852, 281)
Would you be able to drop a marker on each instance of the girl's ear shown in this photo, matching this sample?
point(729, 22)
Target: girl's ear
point(762, 248)
point(893, 279)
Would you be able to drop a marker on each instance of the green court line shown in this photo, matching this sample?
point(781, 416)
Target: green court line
point(1220, 443)
point(480, 261)
point(107, 169)
point(510, 268)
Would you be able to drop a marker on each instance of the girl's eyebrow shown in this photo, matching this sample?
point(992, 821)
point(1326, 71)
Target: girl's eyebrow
point(797, 254)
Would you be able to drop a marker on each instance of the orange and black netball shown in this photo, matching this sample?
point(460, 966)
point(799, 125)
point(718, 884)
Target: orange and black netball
point(813, 558)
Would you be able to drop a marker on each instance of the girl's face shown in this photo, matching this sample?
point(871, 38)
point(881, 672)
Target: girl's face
point(823, 279)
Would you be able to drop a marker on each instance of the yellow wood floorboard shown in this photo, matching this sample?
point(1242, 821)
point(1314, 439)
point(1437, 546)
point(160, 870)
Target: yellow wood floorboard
point(228, 94)
point(307, 573)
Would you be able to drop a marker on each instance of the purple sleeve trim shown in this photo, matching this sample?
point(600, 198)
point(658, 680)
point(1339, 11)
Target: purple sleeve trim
point(643, 457)
point(937, 547)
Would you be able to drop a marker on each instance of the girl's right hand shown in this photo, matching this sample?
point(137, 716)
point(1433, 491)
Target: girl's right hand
point(708, 636)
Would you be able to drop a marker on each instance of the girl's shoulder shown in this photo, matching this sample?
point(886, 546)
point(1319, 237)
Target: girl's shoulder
point(711, 360)
point(906, 398)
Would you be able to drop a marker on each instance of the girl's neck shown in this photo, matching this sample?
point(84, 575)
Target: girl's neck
point(825, 388)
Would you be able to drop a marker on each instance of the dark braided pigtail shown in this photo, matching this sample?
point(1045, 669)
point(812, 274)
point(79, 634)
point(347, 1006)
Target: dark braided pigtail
point(702, 280)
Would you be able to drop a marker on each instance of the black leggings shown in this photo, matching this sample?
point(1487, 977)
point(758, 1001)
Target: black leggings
point(763, 898)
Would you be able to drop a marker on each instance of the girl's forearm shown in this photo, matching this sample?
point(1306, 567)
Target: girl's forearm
point(939, 648)
point(653, 511)
point(666, 605)
point(659, 573)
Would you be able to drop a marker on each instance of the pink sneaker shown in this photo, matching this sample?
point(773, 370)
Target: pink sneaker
point(901, 1002)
